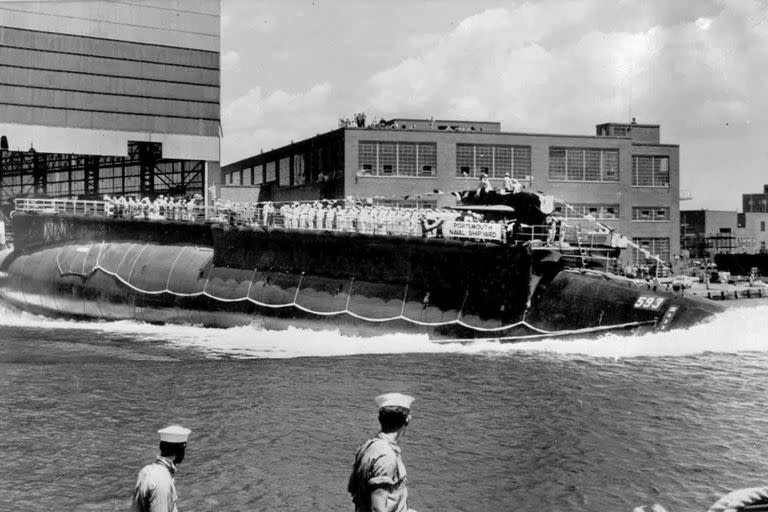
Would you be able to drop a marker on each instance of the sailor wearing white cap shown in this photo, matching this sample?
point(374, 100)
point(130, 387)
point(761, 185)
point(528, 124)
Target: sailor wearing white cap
point(378, 479)
point(155, 490)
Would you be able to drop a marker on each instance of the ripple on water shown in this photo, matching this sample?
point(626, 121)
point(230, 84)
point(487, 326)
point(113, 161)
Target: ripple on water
point(601, 424)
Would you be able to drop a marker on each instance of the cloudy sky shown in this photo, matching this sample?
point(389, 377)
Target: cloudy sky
point(699, 68)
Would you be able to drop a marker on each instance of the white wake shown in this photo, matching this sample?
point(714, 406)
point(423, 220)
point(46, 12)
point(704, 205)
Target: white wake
point(735, 330)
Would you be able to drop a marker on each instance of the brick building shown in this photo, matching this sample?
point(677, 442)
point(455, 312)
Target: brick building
point(622, 175)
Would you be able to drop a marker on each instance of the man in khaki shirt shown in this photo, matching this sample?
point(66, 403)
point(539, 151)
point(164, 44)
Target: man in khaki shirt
point(155, 490)
point(378, 479)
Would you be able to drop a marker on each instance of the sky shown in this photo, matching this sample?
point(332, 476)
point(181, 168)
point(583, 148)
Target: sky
point(699, 68)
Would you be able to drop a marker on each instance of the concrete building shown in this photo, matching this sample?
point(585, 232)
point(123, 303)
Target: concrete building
point(103, 97)
point(755, 208)
point(622, 175)
point(704, 233)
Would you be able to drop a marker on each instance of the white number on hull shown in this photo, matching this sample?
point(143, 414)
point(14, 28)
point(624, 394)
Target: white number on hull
point(649, 302)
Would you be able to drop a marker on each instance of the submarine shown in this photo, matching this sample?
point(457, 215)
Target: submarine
point(83, 263)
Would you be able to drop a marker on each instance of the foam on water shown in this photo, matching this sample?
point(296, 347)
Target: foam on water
point(735, 330)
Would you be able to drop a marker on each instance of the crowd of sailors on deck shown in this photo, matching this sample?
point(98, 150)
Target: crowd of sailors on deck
point(348, 216)
point(186, 208)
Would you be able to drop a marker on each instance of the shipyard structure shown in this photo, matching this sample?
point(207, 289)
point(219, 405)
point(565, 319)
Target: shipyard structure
point(622, 176)
point(103, 97)
point(706, 233)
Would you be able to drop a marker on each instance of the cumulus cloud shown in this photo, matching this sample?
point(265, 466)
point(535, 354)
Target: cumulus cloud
point(258, 121)
point(545, 67)
point(503, 62)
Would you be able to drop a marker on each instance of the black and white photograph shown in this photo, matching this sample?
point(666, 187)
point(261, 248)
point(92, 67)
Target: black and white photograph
point(413, 255)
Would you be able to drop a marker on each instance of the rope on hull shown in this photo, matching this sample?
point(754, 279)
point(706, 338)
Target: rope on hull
point(539, 333)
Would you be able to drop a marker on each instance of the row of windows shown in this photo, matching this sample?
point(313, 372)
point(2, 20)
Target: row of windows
point(494, 160)
point(381, 158)
point(571, 164)
point(650, 213)
point(655, 246)
point(611, 212)
point(170, 178)
point(397, 158)
point(755, 203)
point(597, 211)
point(320, 160)
point(565, 164)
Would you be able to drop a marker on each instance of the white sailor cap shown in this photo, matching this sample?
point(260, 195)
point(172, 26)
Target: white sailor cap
point(394, 400)
point(174, 434)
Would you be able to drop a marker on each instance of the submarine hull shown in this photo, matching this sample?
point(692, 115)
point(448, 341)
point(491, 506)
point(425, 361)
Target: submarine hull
point(219, 276)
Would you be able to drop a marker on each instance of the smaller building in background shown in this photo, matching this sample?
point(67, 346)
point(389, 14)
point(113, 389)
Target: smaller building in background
point(755, 218)
point(706, 233)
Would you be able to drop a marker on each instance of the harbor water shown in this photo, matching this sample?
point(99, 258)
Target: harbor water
point(676, 418)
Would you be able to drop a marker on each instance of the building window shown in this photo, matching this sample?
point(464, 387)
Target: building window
point(236, 178)
point(493, 160)
point(387, 158)
point(427, 159)
point(299, 175)
point(655, 246)
point(367, 155)
point(650, 213)
point(397, 158)
point(271, 172)
point(596, 211)
point(284, 172)
point(650, 171)
point(228, 178)
point(583, 164)
point(315, 164)
point(406, 159)
point(258, 174)
point(762, 225)
point(755, 203)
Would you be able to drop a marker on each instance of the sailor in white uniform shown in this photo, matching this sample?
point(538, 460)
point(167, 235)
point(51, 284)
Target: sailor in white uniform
point(155, 490)
point(378, 479)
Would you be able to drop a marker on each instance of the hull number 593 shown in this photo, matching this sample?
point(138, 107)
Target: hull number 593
point(649, 302)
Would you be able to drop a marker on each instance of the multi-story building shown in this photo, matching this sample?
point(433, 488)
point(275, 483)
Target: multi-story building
point(623, 175)
point(103, 97)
